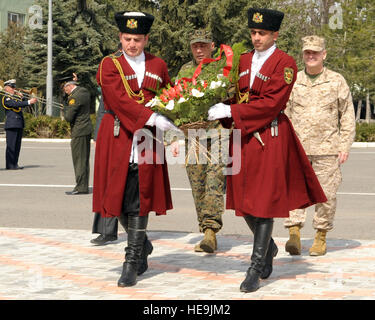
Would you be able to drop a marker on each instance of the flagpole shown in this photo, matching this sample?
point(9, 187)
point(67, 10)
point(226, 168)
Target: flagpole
point(49, 89)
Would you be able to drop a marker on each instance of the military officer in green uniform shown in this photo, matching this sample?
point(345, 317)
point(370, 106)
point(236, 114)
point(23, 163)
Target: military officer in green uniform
point(77, 113)
point(206, 179)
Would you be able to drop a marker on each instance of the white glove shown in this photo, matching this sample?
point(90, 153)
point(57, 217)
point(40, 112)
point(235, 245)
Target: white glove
point(219, 111)
point(161, 122)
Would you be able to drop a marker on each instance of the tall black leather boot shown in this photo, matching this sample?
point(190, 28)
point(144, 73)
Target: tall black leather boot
point(136, 237)
point(146, 249)
point(123, 219)
point(262, 236)
point(271, 252)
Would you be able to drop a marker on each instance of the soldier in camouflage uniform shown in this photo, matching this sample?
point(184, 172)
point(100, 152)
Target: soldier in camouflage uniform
point(321, 110)
point(206, 179)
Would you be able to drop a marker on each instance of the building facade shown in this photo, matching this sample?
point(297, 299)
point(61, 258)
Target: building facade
point(14, 11)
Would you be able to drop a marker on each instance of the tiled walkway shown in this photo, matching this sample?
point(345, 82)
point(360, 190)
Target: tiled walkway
point(64, 265)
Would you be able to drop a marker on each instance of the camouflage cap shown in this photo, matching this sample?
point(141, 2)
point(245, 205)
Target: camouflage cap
point(201, 35)
point(313, 43)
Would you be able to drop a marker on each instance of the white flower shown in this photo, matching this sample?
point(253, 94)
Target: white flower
point(220, 76)
point(215, 84)
point(181, 100)
point(153, 102)
point(170, 105)
point(196, 93)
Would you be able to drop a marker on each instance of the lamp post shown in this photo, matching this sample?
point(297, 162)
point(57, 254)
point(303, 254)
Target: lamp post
point(49, 89)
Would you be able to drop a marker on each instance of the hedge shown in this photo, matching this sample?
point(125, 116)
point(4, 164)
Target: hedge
point(48, 127)
point(365, 132)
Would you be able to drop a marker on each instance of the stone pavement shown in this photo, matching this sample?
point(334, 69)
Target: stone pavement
point(63, 265)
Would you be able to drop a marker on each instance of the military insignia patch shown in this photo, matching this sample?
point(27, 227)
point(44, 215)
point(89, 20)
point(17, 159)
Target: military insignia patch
point(288, 75)
point(257, 18)
point(132, 24)
point(71, 102)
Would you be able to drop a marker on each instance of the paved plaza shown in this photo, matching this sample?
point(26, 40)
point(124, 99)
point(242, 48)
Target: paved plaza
point(64, 265)
point(46, 254)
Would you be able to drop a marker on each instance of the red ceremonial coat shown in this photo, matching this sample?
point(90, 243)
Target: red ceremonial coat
point(277, 177)
point(112, 153)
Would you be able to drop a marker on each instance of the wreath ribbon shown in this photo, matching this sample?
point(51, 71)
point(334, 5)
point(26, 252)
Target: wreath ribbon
point(229, 54)
point(175, 91)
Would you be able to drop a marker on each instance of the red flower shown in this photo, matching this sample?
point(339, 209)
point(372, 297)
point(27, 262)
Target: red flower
point(163, 98)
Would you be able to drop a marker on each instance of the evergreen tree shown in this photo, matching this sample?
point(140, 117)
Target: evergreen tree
point(177, 20)
point(13, 51)
point(351, 48)
point(82, 35)
point(226, 19)
point(85, 31)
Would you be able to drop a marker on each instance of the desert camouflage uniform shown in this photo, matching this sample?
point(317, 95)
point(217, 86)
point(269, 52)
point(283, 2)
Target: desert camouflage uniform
point(207, 180)
point(323, 117)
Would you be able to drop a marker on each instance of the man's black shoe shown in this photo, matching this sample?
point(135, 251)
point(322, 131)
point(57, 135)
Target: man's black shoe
point(15, 168)
point(75, 192)
point(102, 240)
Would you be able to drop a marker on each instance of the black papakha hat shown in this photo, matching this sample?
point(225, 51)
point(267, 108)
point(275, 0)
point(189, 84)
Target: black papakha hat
point(266, 19)
point(134, 22)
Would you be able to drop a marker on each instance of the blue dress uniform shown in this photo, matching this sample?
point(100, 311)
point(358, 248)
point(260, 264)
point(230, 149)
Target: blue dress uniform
point(14, 125)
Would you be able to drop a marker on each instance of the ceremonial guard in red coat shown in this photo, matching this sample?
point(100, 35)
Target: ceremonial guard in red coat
point(130, 182)
point(275, 175)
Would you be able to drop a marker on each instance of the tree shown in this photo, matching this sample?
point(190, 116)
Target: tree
point(177, 19)
point(85, 31)
point(351, 48)
point(82, 36)
point(12, 52)
point(226, 19)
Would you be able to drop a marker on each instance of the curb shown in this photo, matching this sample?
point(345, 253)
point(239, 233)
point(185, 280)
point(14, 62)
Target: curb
point(363, 145)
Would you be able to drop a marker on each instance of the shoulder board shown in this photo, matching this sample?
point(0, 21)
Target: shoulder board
point(187, 65)
point(112, 56)
point(116, 54)
point(74, 92)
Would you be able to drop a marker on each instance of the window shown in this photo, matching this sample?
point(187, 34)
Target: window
point(16, 18)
